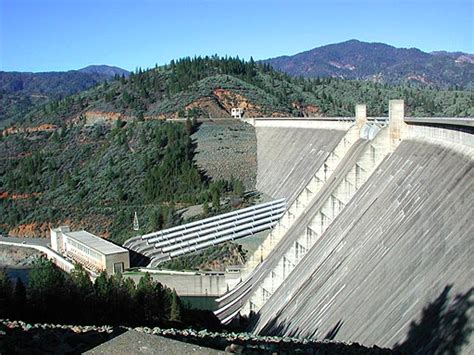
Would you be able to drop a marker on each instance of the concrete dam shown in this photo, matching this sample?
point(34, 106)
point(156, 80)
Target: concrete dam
point(376, 245)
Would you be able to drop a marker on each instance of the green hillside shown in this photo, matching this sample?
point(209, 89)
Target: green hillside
point(97, 177)
point(211, 86)
point(22, 91)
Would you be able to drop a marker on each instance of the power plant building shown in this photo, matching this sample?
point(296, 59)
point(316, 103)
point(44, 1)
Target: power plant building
point(89, 250)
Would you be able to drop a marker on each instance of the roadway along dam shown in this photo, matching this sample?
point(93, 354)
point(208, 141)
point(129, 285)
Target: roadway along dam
point(377, 241)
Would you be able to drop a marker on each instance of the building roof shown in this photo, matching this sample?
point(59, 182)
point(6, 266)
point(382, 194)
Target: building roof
point(94, 242)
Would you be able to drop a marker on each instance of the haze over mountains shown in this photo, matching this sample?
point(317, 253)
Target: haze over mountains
point(381, 63)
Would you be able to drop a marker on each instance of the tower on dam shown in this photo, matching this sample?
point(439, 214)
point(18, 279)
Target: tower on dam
point(378, 230)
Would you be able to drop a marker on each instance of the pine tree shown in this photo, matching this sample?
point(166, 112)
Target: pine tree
point(5, 294)
point(216, 200)
point(205, 208)
point(19, 299)
point(238, 188)
point(176, 311)
point(188, 126)
point(81, 280)
point(46, 290)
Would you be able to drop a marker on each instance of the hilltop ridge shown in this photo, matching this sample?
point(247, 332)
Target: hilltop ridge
point(22, 91)
point(380, 62)
point(212, 86)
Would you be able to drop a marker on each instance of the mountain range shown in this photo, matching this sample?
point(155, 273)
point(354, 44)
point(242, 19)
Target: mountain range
point(212, 86)
point(57, 84)
point(20, 91)
point(380, 62)
point(169, 90)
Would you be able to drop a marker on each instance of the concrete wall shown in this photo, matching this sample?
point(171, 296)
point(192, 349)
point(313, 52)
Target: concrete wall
point(458, 137)
point(190, 284)
point(287, 157)
point(344, 179)
point(110, 260)
point(52, 255)
point(287, 161)
point(404, 237)
point(398, 250)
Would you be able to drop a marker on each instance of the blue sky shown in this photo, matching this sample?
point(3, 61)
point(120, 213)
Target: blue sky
point(47, 35)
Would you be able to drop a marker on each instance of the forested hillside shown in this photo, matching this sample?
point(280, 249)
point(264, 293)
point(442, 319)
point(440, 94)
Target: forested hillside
point(96, 177)
point(21, 92)
point(211, 86)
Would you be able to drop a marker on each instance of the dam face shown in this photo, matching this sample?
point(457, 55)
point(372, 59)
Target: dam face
point(405, 236)
point(377, 243)
point(288, 156)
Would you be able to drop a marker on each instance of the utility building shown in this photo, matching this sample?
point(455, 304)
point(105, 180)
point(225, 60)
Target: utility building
point(237, 112)
point(89, 250)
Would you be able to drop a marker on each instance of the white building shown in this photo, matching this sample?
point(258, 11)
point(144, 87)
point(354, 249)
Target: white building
point(237, 112)
point(93, 252)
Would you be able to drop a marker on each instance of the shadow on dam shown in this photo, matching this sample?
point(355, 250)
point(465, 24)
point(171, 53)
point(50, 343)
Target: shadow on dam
point(442, 328)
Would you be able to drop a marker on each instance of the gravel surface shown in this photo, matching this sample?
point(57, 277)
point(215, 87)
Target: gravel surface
point(227, 148)
point(133, 342)
point(24, 338)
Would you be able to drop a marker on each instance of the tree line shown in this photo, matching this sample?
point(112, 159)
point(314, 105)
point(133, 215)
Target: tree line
point(53, 296)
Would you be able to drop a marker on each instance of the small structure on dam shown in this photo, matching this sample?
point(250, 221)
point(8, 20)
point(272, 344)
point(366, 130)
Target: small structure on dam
point(377, 241)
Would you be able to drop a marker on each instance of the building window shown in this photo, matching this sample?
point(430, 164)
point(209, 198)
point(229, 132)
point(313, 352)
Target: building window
point(118, 268)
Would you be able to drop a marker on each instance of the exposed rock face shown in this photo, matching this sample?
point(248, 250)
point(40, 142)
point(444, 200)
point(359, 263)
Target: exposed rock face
point(420, 78)
point(229, 99)
point(307, 110)
point(220, 103)
point(5, 195)
point(98, 116)
point(42, 128)
point(209, 105)
point(31, 230)
point(14, 256)
point(37, 229)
